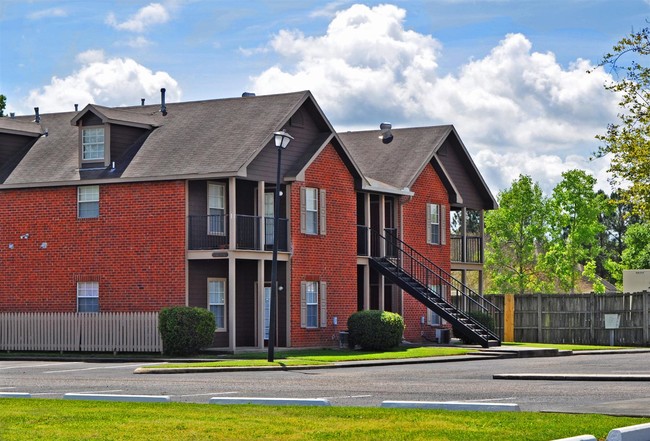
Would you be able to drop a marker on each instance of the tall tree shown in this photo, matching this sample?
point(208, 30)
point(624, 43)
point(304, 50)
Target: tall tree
point(575, 210)
point(516, 233)
point(627, 142)
point(637, 247)
point(3, 103)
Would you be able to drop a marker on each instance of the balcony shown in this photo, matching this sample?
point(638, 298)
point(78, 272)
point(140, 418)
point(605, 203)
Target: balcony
point(471, 252)
point(211, 233)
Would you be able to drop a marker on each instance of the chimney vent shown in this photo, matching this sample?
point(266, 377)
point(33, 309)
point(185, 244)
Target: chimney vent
point(12, 115)
point(142, 101)
point(247, 94)
point(76, 107)
point(37, 116)
point(163, 107)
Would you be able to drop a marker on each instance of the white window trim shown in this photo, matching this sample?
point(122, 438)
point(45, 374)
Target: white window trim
point(222, 230)
point(321, 304)
point(83, 200)
point(90, 290)
point(103, 144)
point(224, 304)
point(319, 211)
point(438, 226)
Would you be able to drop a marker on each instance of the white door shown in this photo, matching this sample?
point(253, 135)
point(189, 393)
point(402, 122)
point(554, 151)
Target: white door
point(269, 209)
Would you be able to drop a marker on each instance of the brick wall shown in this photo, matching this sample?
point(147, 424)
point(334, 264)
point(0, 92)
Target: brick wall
point(135, 249)
point(330, 258)
point(428, 188)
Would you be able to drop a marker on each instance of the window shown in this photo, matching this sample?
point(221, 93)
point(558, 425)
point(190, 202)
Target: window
point(92, 144)
point(216, 209)
point(436, 224)
point(311, 290)
point(433, 319)
point(88, 201)
point(313, 304)
point(312, 211)
point(87, 296)
point(217, 302)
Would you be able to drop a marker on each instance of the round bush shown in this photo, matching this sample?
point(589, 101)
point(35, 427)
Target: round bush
point(375, 330)
point(185, 330)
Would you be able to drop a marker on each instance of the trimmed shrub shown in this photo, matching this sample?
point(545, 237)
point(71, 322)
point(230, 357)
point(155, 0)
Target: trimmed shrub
point(375, 330)
point(485, 319)
point(185, 330)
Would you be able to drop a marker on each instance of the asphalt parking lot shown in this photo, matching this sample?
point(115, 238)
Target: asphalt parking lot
point(362, 386)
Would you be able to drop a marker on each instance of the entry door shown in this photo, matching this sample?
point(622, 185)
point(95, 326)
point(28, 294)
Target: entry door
point(267, 311)
point(269, 209)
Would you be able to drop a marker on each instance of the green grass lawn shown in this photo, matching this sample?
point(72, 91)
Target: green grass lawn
point(45, 419)
point(565, 347)
point(321, 356)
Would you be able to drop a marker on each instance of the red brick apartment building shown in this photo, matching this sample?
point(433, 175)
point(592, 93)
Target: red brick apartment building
point(138, 208)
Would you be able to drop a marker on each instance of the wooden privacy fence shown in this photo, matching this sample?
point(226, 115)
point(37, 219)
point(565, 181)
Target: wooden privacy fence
point(99, 332)
point(602, 319)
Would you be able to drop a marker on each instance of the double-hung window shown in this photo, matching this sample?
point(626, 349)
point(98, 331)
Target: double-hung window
point(313, 304)
point(436, 224)
point(87, 296)
point(92, 144)
point(88, 201)
point(433, 319)
point(216, 209)
point(217, 302)
point(312, 211)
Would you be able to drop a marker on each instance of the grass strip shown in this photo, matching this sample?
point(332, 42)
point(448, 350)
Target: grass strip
point(306, 357)
point(46, 419)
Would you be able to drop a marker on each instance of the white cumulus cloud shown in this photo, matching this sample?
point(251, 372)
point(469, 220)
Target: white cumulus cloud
point(104, 81)
point(517, 110)
point(150, 15)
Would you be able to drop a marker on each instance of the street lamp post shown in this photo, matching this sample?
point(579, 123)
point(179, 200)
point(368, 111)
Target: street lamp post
point(281, 142)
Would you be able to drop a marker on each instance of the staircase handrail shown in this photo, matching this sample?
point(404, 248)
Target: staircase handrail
point(447, 277)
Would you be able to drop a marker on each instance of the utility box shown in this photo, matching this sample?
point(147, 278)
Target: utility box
point(636, 280)
point(443, 335)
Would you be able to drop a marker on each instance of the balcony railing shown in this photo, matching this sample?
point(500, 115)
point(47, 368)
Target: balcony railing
point(211, 233)
point(473, 250)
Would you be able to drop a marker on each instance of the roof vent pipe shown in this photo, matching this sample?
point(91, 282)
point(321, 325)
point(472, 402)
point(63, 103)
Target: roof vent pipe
point(247, 94)
point(76, 107)
point(37, 117)
point(142, 101)
point(12, 115)
point(163, 107)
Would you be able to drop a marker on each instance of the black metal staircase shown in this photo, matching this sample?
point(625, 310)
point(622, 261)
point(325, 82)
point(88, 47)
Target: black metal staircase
point(435, 288)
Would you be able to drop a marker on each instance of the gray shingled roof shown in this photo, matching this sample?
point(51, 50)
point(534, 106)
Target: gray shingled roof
point(400, 162)
point(201, 138)
point(20, 127)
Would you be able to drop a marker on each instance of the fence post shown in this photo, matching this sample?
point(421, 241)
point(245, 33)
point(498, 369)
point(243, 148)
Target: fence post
point(645, 318)
point(592, 319)
point(508, 317)
point(539, 318)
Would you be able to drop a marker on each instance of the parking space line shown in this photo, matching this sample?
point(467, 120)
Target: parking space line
point(122, 366)
point(40, 365)
point(7, 387)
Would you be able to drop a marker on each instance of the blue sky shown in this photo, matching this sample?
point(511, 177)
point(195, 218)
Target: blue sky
point(509, 74)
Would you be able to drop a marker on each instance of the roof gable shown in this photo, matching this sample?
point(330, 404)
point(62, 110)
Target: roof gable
point(400, 162)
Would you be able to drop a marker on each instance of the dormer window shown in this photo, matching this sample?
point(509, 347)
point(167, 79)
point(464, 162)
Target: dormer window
point(92, 144)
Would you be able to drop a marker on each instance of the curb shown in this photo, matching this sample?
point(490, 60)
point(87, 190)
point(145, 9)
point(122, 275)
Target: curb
point(349, 364)
point(572, 377)
point(453, 405)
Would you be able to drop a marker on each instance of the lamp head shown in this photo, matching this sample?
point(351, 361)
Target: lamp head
point(282, 139)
